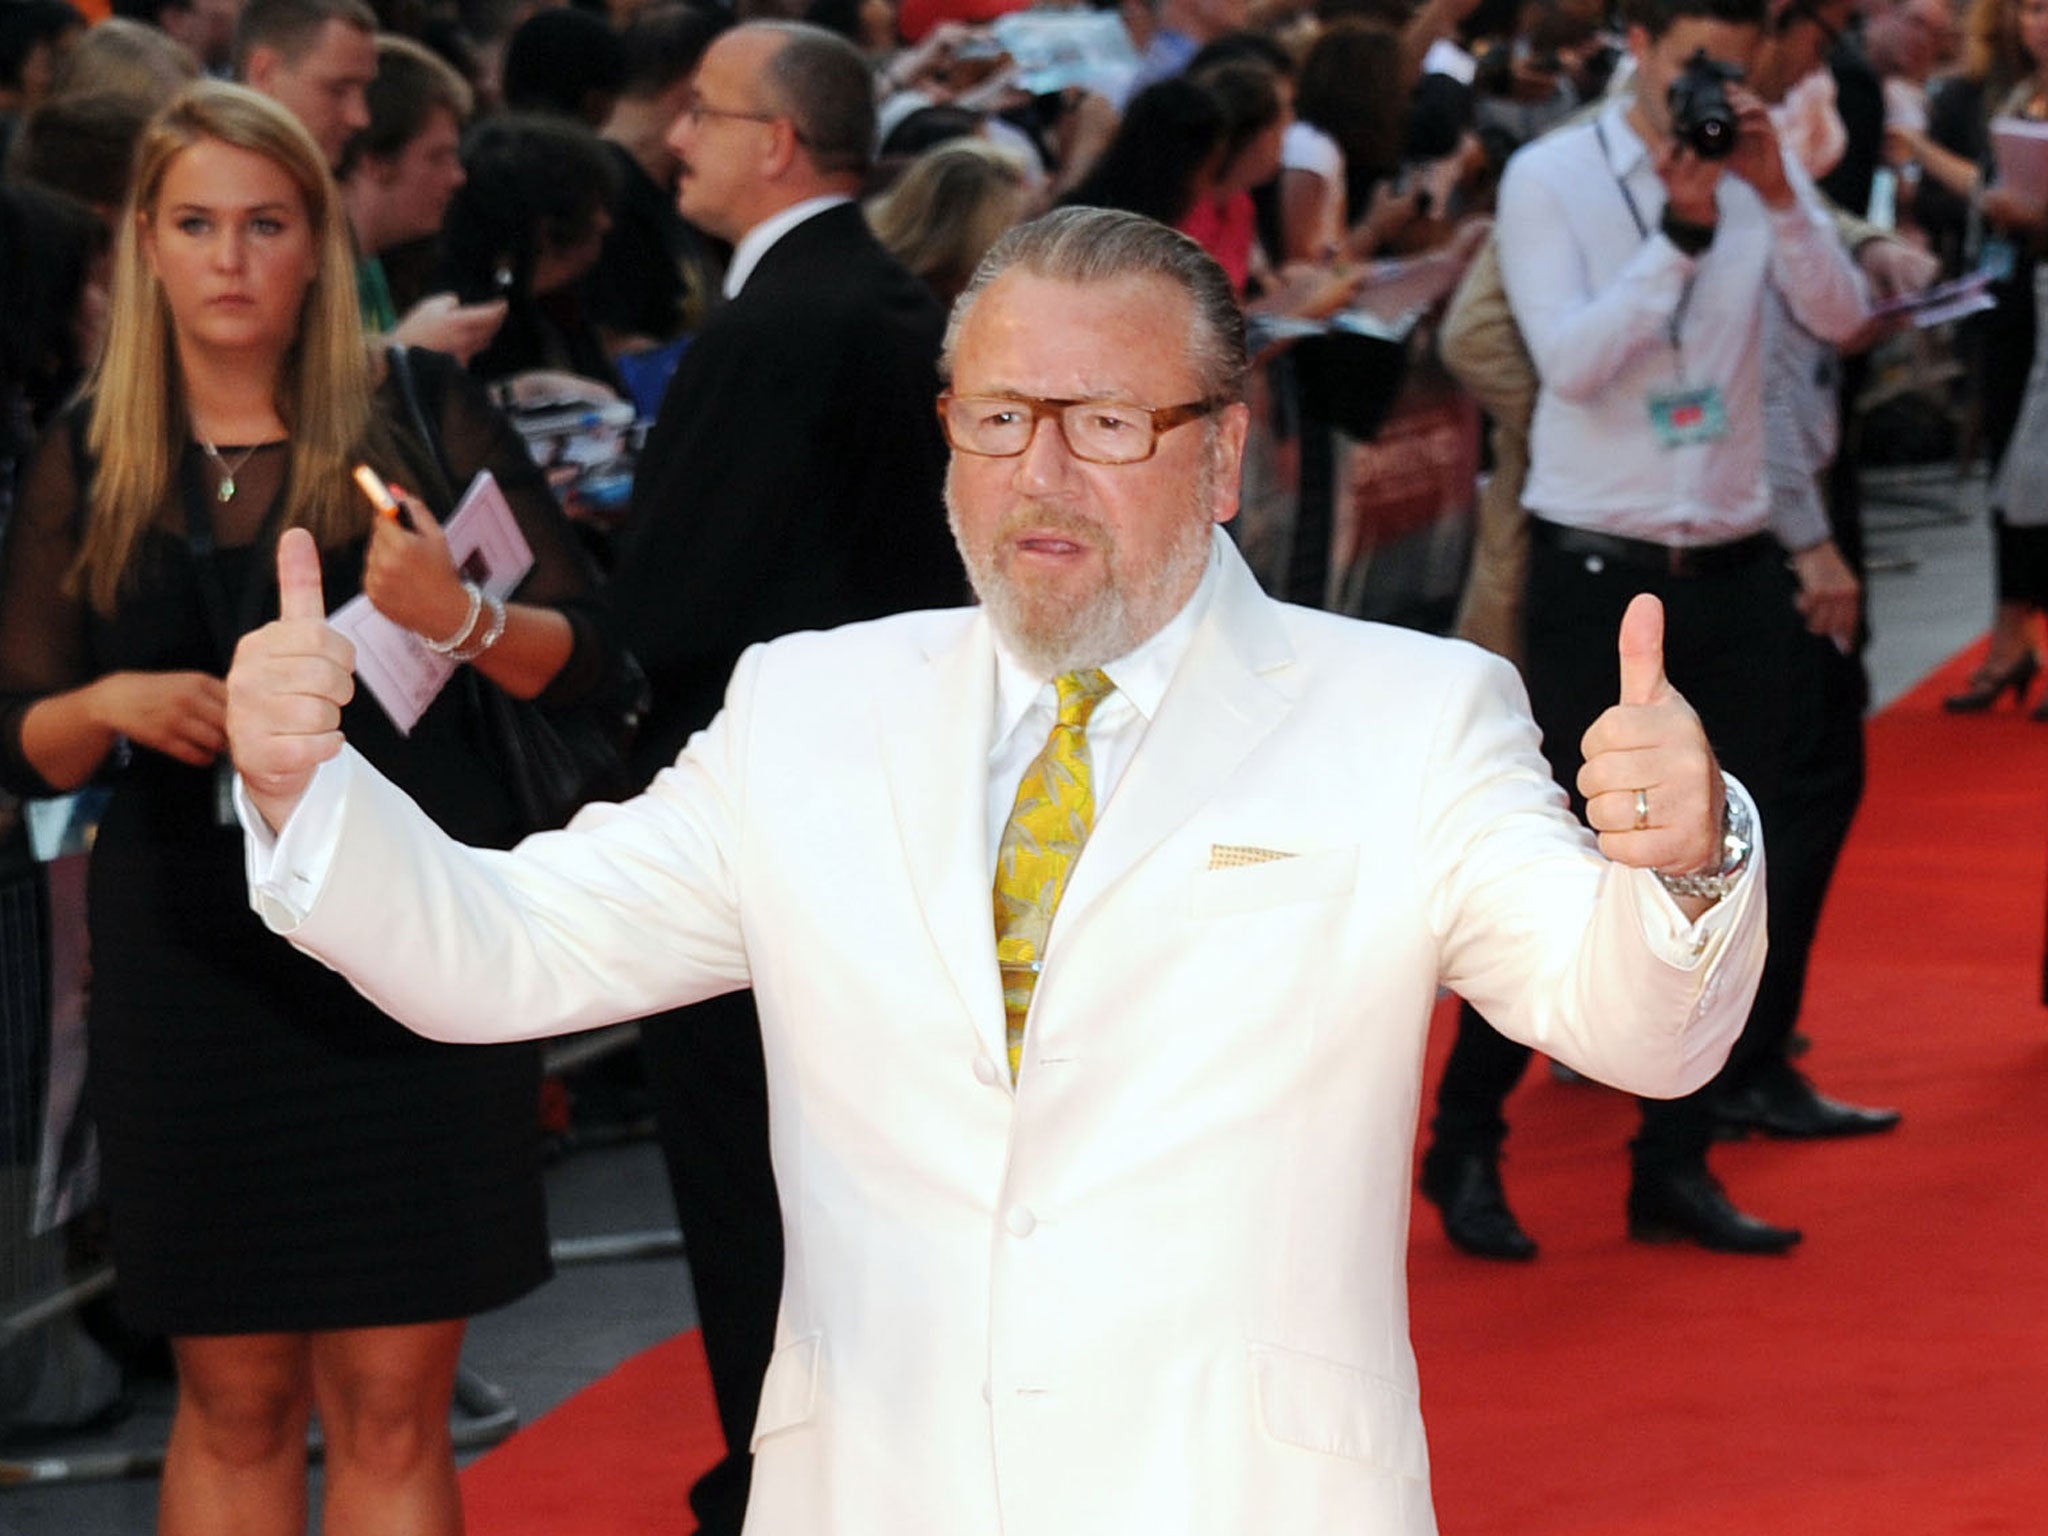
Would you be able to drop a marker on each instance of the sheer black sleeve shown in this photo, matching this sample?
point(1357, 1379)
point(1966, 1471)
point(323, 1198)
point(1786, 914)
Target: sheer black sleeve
point(476, 436)
point(45, 643)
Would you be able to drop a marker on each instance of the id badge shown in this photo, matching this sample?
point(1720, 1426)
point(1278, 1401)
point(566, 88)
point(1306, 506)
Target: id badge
point(1683, 417)
point(1998, 256)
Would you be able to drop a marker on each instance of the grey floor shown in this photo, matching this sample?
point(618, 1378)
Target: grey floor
point(1930, 596)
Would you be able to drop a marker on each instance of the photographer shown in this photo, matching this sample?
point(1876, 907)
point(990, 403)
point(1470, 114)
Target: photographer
point(1637, 250)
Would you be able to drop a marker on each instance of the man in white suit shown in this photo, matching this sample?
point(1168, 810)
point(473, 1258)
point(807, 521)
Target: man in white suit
point(1154, 1280)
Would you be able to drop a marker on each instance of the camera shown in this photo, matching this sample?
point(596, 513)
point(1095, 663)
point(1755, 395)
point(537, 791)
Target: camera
point(1702, 117)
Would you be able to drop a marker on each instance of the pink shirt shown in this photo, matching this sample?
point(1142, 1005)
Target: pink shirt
point(1225, 230)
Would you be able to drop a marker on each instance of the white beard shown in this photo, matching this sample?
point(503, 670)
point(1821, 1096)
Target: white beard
point(1051, 633)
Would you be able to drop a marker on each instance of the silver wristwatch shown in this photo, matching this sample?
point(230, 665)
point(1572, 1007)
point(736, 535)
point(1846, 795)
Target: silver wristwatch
point(1738, 840)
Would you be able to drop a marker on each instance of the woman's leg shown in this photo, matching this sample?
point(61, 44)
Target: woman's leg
point(384, 1396)
point(2020, 570)
point(2011, 637)
point(236, 1465)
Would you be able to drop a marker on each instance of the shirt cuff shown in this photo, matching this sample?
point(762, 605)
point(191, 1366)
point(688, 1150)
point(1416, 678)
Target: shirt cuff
point(1799, 223)
point(1687, 945)
point(288, 868)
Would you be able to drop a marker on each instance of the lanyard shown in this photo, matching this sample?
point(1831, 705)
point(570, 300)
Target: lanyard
point(1642, 224)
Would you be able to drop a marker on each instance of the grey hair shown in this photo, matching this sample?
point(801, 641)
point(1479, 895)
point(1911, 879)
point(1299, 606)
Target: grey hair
point(1093, 245)
point(824, 85)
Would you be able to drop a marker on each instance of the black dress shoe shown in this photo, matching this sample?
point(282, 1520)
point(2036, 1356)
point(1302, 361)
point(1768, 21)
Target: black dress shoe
point(1786, 1104)
point(1690, 1204)
point(1465, 1186)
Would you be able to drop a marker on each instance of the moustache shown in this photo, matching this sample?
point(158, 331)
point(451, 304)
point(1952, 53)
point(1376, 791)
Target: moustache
point(1046, 517)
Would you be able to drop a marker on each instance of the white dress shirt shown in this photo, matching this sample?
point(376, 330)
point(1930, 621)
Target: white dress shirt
point(1027, 705)
point(1598, 300)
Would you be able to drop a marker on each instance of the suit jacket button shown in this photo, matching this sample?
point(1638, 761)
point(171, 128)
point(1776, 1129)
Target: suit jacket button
point(1019, 1221)
point(985, 1071)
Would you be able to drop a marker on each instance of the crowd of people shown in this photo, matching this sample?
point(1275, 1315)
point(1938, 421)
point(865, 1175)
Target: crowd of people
point(249, 244)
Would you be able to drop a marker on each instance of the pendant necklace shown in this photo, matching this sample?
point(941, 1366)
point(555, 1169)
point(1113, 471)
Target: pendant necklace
point(227, 471)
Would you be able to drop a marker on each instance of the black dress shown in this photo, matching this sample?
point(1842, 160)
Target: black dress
point(276, 1154)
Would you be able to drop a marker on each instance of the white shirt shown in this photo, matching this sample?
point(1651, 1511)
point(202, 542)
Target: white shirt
point(1596, 299)
point(1447, 57)
point(1802, 376)
point(1306, 148)
point(1027, 706)
point(757, 242)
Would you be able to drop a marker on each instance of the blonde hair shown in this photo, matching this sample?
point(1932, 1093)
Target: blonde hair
point(139, 417)
point(949, 206)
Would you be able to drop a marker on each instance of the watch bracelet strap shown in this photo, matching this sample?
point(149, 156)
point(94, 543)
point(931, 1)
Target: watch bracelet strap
point(1718, 879)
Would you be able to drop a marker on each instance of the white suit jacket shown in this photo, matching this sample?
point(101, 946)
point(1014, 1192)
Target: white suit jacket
point(1158, 1286)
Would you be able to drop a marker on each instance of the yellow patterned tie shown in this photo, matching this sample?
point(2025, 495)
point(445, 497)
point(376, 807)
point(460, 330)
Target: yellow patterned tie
point(1054, 811)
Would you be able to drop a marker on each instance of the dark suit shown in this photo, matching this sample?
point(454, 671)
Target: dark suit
point(792, 481)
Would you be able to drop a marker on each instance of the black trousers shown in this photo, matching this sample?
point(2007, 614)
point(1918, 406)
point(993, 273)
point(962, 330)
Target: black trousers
point(1821, 783)
point(710, 1089)
point(1727, 642)
point(1819, 792)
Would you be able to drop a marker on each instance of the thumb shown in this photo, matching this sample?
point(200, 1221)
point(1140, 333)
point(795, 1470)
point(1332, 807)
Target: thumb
point(1642, 651)
point(298, 577)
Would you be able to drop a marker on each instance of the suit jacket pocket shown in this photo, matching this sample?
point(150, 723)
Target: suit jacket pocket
point(789, 1390)
point(1338, 1410)
point(1313, 876)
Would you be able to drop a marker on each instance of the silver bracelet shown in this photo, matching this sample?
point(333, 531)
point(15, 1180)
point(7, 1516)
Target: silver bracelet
point(453, 643)
point(493, 632)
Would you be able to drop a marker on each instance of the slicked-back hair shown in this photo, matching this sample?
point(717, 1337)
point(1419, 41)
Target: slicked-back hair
point(293, 26)
point(822, 84)
point(1101, 245)
point(1656, 17)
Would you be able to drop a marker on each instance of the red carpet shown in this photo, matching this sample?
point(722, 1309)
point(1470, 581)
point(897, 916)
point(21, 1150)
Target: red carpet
point(617, 1459)
point(1890, 1378)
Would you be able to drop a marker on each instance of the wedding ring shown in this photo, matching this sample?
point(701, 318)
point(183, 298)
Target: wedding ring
point(1642, 810)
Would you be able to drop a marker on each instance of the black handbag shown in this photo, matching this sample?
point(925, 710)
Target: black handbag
point(555, 760)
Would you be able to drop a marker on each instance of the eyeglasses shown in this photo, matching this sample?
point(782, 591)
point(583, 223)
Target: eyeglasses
point(696, 112)
point(1095, 431)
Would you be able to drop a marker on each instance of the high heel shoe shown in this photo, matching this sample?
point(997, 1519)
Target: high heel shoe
point(1986, 686)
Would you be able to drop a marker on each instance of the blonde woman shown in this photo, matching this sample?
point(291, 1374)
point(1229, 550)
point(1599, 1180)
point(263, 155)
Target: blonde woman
point(948, 207)
point(303, 1196)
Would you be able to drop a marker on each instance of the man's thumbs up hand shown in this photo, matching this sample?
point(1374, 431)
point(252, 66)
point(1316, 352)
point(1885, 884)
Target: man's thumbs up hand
point(1653, 790)
point(287, 686)
point(1642, 652)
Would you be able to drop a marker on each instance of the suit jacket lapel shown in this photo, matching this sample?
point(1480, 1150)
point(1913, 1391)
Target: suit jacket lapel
point(934, 742)
point(1224, 700)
